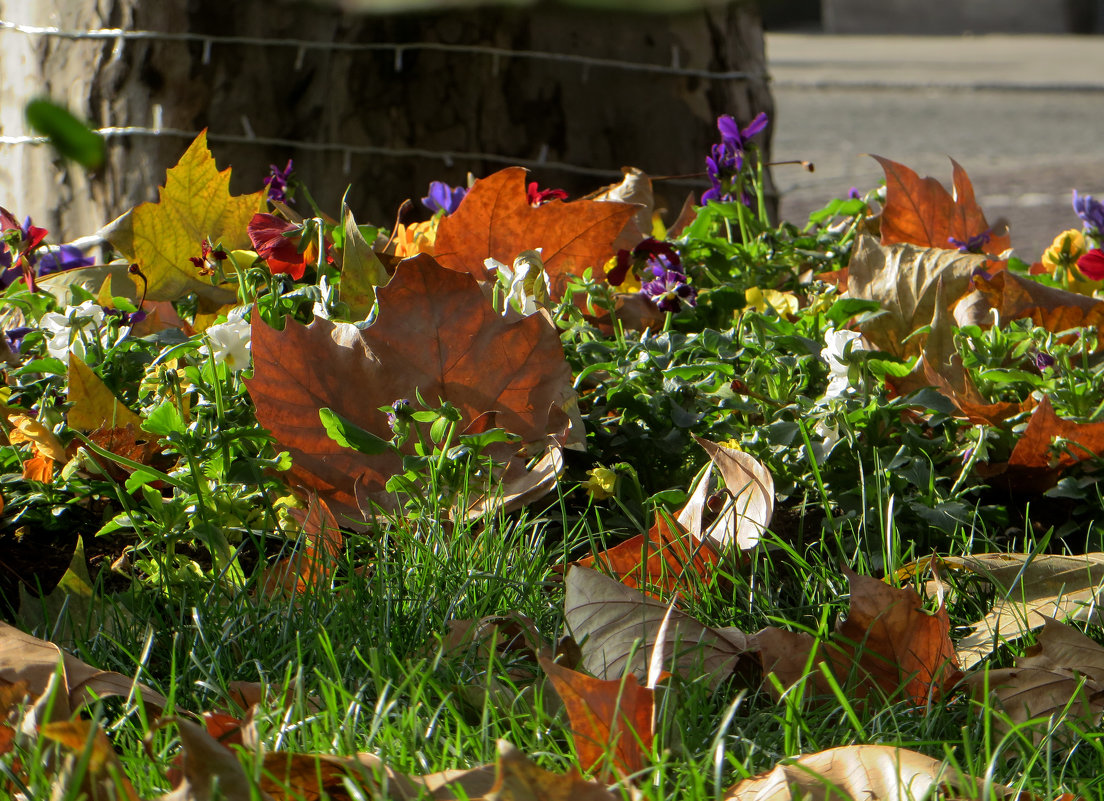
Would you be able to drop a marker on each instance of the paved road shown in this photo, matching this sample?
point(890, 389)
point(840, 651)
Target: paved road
point(1023, 114)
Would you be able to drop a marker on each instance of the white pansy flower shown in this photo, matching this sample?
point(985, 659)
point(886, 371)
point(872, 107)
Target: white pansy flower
point(67, 332)
point(525, 285)
point(229, 341)
point(834, 353)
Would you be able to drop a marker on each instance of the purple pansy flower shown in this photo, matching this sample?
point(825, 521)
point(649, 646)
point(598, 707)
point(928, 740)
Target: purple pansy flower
point(972, 244)
point(669, 290)
point(1043, 361)
point(725, 161)
point(277, 182)
point(1091, 212)
point(648, 254)
point(443, 197)
point(14, 336)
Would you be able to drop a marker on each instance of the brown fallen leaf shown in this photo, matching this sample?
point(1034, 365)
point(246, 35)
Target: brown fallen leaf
point(1062, 675)
point(24, 658)
point(435, 334)
point(748, 487)
point(129, 442)
point(101, 777)
point(313, 565)
point(904, 279)
point(1033, 449)
point(496, 221)
point(618, 629)
point(1030, 589)
point(666, 558)
point(205, 762)
point(609, 719)
point(887, 643)
point(518, 779)
point(941, 367)
point(920, 211)
point(866, 772)
point(1015, 296)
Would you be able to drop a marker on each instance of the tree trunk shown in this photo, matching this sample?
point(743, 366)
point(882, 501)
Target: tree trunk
point(575, 124)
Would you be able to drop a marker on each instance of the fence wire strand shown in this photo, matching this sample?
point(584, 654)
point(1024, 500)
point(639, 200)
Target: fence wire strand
point(347, 150)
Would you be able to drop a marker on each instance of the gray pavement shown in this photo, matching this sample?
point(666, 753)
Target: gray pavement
point(1024, 115)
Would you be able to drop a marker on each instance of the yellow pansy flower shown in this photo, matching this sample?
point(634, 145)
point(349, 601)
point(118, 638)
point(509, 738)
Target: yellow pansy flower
point(784, 304)
point(601, 483)
point(1065, 250)
point(410, 240)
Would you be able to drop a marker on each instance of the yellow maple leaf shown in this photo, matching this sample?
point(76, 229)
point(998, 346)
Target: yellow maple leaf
point(194, 205)
point(93, 404)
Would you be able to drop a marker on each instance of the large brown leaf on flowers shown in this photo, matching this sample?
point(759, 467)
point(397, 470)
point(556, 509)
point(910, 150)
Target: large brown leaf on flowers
point(887, 641)
point(905, 280)
point(496, 221)
point(920, 211)
point(435, 333)
point(1015, 296)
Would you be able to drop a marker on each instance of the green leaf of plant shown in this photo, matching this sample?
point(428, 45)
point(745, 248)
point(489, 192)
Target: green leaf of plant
point(361, 271)
point(348, 434)
point(164, 420)
point(69, 136)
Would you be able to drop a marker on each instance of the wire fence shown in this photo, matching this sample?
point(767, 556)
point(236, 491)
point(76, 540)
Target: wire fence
point(348, 150)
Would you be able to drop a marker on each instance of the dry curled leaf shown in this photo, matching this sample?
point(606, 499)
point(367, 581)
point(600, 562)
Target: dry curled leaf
point(1030, 589)
point(904, 279)
point(1061, 676)
point(866, 772)
point(748, 499)
point(34, 661)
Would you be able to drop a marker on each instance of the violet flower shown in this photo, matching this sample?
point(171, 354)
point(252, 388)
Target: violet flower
point(972, 244)
point(725, 161)
point(1091, 212)
point(277, 182)
point(669, 290)
point(443, 197)
point(1043, 361)
point(648, 254)
point(15, 336)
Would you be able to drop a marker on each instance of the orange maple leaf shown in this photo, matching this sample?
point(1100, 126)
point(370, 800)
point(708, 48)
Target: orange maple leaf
point(496, 221)
point(665, 558)
point(886, 642)
point(920, 211)
point(609, 718)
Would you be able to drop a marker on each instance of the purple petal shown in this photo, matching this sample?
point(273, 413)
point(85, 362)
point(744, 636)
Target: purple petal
point(756, 125)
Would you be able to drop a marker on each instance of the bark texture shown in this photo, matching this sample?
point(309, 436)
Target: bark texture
point(594, 117)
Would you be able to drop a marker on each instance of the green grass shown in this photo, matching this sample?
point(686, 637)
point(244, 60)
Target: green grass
point(359, 669)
